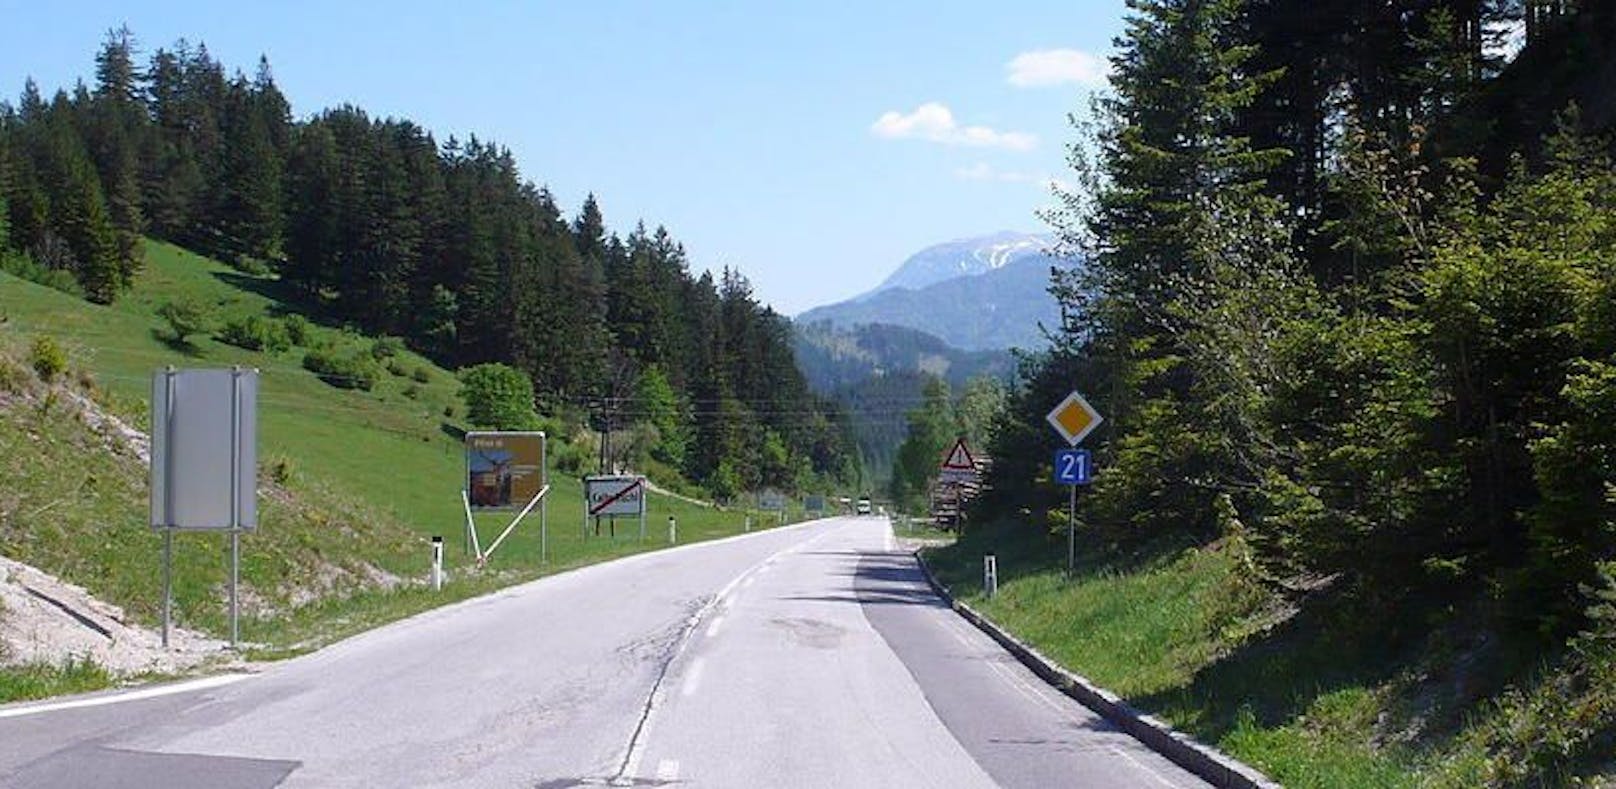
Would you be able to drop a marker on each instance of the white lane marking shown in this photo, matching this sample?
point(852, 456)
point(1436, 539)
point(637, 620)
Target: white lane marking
point(667, 770)
point(1144, 768)
point(1015, 683)
point(693, 676)
point(118, 698)
point(958, 633)
point(712, 629)
point(748, 581)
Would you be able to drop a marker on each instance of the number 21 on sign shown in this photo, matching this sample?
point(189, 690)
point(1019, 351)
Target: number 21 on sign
point(1073, 467)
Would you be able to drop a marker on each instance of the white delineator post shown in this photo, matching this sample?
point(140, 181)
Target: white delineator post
point(437, 563)
point(990, 575)
point(673, 530)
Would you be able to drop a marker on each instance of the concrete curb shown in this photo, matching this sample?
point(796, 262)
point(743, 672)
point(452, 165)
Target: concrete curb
point(1211, 765)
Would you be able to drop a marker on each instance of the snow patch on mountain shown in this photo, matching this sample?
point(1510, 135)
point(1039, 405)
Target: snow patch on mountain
point(968, 257)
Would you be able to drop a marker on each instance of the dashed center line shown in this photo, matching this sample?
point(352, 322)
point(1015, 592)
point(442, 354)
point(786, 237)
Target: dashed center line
point(693, 676)
point(667, 770)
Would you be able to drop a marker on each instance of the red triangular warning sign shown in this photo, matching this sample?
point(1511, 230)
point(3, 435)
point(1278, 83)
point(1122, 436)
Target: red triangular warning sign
point(959, 458)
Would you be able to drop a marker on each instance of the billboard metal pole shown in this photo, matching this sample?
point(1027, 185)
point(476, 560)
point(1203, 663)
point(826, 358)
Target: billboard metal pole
point(168, 583)
point(235, 507)
point(544, 503)
point(168, 496)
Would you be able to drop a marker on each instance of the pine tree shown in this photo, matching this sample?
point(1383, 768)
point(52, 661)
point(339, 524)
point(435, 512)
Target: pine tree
point(311, 223)
point(589, 230)
point(1171, 156)
point(79, 216)
point(247, 213)
point(5, 184)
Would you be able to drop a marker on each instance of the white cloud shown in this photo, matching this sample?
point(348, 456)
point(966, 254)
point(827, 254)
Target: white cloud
point(934, 122)
point(1045, 67)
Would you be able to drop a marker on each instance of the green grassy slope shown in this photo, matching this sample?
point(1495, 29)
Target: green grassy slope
point(1323, 698)
point(366, 477)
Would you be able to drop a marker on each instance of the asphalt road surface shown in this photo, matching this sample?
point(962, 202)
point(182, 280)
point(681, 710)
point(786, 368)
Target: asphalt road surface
point(811, 656)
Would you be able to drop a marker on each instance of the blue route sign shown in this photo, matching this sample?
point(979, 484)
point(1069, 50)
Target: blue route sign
point(1073, 467)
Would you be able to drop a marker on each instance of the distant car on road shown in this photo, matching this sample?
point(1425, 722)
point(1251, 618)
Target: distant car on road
point(863, 506)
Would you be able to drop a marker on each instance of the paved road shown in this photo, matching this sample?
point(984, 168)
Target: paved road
point(812, 656)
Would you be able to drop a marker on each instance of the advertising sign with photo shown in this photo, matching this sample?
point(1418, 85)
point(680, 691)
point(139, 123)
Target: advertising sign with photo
point(504, 471)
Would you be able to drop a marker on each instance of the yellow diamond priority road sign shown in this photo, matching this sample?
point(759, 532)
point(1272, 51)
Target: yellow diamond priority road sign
point(1074, 418)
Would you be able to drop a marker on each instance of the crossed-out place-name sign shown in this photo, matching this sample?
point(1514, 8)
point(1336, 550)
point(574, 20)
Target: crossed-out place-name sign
point(1074, 419)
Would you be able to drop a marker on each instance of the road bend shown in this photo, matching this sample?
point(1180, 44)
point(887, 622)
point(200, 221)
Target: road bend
point(809, 656)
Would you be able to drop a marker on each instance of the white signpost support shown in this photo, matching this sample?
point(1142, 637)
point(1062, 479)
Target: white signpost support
point(204, 466)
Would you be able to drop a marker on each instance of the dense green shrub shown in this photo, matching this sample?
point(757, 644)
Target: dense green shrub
point(26, 268)
point(349, 370)
point(256, 333)
point(47, 358)
point(386, 348)
point(298, 330)
point(422, 375)
point(184, 317)
point(498, 397)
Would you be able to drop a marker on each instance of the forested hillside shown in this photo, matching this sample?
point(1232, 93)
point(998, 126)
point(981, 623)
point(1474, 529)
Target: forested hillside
point(1350, 312)
point(879, 374)
point(377, 225)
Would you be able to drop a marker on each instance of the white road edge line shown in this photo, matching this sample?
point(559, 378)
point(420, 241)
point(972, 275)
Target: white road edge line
point(118, 698)
point(712, 629)
point(1144, 767)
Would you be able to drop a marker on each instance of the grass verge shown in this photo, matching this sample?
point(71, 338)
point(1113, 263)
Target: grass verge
point(43, 680)
point(1324, 696)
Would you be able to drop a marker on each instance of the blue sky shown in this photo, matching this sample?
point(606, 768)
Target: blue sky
point(813, 145)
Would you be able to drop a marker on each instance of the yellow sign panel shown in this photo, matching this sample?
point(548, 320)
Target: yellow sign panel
point(504, 470)
point(1074, 418)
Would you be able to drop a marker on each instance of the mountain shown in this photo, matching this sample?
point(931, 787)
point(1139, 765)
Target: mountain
point(977, 294)
point(969, 257)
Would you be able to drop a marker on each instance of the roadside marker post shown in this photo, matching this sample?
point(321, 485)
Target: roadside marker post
point(437, 563)
point(990, 575)
point(673, 530)
point(1073, 419)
